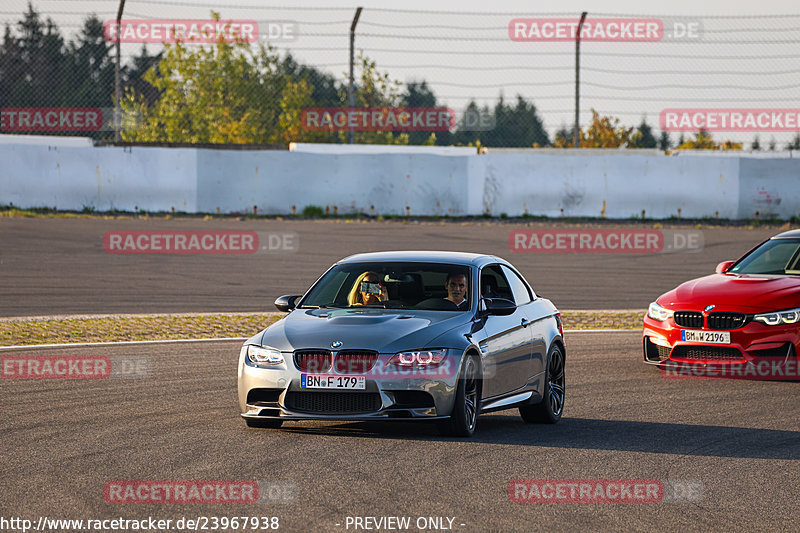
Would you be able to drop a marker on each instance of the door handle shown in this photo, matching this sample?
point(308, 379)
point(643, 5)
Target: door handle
point(525, 322)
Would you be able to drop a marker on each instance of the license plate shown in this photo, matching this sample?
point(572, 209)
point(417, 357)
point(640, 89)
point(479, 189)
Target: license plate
point(329, 381)
point(706, 337)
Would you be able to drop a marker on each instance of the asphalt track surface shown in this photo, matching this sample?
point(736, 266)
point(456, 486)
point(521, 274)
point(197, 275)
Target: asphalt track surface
point(63, 439)
point(59, 266)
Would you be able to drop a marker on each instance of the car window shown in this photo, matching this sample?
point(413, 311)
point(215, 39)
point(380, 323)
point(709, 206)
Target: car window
point(773, 257)
point(494, 283)
point(389, 285)
point(336, 288)
point(518, 287)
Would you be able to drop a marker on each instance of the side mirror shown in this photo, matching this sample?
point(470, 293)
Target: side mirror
point(497, 306)
point(724, 266)
point(286, 303)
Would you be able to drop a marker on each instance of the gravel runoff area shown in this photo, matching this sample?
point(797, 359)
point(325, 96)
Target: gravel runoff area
point(23, 331)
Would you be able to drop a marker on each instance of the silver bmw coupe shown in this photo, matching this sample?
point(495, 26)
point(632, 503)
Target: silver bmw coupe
point(440, 336)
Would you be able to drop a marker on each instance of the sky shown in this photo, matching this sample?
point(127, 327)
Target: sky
point(746, 56)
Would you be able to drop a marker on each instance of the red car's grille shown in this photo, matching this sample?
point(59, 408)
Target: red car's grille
point(333, 402)
point(727, 320)
point(688, 319)
point(314, 361)
point(355, 361)
point(707, 353)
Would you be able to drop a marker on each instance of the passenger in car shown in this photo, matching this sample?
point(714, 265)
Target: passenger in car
point(367, 290)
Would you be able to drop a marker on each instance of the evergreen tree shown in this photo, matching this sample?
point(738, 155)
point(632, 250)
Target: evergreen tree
point(466, 134)
point(11, 69)
point(133, 75)
point(643, 137)
point(418, 94)
point(327, 91)
point(664, 142)
point(42, 61)
point(90, 75)
point(515, 126)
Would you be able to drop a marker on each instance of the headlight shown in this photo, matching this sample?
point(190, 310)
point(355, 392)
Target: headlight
point(264, 356)
point(421, 358)
point(790, 316)
point(656, 312)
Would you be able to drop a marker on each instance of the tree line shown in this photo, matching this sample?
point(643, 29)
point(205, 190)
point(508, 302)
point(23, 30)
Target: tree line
point(240, 94)
point(39, 68)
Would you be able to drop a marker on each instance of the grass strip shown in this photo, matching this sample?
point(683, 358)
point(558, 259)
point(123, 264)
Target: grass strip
point(18, 332)
point(628, 319)
point(139, 328)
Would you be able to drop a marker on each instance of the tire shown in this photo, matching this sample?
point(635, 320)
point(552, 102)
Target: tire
point(467, 404)
point(550, 409)
point(264, 423)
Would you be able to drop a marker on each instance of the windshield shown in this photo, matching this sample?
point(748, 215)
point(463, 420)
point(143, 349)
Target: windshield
point(430, 286)
point(776, 256)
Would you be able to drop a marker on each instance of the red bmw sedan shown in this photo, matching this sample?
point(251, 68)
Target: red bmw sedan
point(745, 315)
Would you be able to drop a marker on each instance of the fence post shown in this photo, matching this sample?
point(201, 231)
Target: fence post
point(577, 132)
point(117, 89)
point(350, 96)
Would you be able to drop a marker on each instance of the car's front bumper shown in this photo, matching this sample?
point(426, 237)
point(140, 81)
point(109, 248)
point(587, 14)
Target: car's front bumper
point(276, 393)
point(755, 342)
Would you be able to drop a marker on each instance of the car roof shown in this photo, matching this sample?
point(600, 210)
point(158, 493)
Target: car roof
point(455, 258)
point(788, 234)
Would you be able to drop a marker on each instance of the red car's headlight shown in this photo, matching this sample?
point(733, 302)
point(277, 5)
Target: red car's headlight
point(790, 316)
point(656, 312)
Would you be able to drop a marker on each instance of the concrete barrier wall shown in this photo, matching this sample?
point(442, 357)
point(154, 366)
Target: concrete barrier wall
point(74, 178)
point(614, 186)
point(382, 183)
point(769, 187)
point(205, 180)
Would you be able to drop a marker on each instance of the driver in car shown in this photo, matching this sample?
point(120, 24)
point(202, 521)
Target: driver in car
point(367, 290)
point(456, 285)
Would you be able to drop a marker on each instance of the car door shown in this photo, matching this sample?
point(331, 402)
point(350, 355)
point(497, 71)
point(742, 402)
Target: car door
point(537, 313)
point(507, 346)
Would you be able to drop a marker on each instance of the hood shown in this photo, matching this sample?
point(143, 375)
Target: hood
point(384, 330)
point(732, 292)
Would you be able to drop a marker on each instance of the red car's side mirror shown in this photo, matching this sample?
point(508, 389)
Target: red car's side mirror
point(724, 266)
